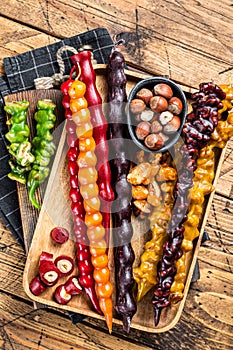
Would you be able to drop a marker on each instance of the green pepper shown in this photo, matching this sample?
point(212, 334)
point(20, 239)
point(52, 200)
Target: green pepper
point(18, 173)
point(43, 147)
point(18, 134)
point(22, 152)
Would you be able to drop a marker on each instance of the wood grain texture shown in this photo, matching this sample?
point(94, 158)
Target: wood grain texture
point(204, 323)
point(16, 38)
point(225, 186)
point(187, 40)
point(190, 41)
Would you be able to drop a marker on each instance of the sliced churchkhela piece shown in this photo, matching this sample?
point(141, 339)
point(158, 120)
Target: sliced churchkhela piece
point(83, 254)
point(65, 264)
point(87, 178)
point(64, 292)
point(197, 131)
point(202, 186)
point(36, 286)
point(125, 305)
point(83, 63)
point(59, 235)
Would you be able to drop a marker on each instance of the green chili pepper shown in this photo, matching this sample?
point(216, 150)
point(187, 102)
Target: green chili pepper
point(22, 152)
point(18, 173)
point(20, 147)
point(43, 147)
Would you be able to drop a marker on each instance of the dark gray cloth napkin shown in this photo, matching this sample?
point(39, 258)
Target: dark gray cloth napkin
point(20, 72)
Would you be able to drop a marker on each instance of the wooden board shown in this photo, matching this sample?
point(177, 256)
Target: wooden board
point(29, 213)
point(183, 40)
point(56, 212)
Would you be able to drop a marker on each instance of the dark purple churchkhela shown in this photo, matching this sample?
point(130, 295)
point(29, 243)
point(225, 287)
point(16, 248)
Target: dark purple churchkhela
point(199, 125)
point(120, 165)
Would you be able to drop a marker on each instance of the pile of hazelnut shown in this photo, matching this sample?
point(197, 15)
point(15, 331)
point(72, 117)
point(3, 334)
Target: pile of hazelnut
point(157, 113)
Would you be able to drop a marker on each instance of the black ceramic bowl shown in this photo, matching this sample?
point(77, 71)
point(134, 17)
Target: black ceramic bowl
point(149, 84)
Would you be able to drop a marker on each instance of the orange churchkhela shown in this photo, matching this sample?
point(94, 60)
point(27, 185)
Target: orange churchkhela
point(87, 176)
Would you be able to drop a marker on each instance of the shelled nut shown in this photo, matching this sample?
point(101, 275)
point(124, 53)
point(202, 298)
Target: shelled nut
point(172, 126)
point(154, 141)
point(142, 130)
point(147, 115)
point(156, 127)
point(137, 106)
point(165, 117)
point(175, 105)
point(144, 94)
point(158, 104)
point(163, 90)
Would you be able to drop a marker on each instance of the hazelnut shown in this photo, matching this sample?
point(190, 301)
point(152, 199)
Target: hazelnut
point(175, 105)
point(164, 137)
point(144, 95)
point(158, 104)
point(154, 141)
point(172, 126)
point(163, 90)
point(137, 106)
point(156, 127)
point(147, 115)
point(165, 117)
point(142, 130)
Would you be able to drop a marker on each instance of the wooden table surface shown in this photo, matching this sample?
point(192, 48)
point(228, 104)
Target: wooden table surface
point(191, 42)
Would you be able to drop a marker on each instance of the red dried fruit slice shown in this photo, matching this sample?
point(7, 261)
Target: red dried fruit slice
point(36, 286)
point(65, 265)
point(61, 296)
point(59, 234)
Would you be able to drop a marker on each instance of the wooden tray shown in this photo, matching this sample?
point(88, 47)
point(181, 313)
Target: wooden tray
point(56, 211)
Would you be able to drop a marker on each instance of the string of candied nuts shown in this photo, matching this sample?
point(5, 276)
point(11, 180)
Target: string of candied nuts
point(202, 186)
point(87, 177)
point(84, 68)
point(224, 130)
point(83, 256)
point(204, 174)
point(120, 164)
point(146, 273)
point(197, 130)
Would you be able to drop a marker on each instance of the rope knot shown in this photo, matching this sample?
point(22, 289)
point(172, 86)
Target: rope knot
point(57, 78)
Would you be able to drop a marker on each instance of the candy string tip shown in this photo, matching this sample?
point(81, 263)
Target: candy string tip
point(157, 313)
point(126, 323)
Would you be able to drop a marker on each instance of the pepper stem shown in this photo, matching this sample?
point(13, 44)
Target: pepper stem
point(32, 189)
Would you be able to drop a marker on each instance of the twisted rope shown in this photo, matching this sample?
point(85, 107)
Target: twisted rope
point(57, 78)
